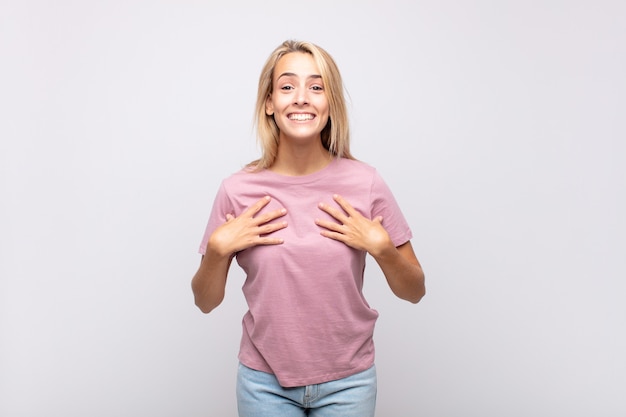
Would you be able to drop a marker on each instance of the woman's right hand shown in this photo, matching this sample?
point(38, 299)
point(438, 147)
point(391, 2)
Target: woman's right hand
point(246, 230)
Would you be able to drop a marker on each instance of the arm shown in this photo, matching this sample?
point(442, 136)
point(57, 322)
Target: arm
point(238, 233)
point(209, 282)
point(403, 271)
point(399, 264)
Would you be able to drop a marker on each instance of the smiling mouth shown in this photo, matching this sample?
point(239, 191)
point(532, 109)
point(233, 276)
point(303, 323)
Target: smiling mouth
point(300, 117)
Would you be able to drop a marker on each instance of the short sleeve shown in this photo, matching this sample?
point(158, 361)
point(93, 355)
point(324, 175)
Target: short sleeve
point(222, 205)
point(385, 205)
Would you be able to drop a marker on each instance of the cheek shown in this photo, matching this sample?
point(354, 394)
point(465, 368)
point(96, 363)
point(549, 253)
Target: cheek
point(324, 106)
point(325, 111)
point(278, 103)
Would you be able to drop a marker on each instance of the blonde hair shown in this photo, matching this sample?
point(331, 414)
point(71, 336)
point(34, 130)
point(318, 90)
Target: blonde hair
point(335, 135)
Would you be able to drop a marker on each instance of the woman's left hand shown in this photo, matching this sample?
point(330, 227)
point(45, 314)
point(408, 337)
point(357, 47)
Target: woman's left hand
point(353, 229)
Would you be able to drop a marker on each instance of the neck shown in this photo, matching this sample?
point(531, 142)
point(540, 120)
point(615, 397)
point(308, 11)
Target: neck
point(297, 160)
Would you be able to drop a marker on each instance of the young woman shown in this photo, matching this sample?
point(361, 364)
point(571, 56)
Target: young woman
point(300, 221)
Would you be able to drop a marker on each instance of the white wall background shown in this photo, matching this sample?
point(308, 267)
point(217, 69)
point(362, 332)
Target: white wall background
point(500, 126)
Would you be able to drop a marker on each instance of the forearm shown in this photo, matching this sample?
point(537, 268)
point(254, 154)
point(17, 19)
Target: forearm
point(403, 272)
point(209, 282)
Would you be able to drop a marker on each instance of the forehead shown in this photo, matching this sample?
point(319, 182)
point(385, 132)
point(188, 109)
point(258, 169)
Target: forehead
point(296, 63)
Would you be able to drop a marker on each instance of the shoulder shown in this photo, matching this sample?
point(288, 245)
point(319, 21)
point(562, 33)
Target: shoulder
point(244, 176)
point(247, 181)
point(355, 166)
point(361, 171)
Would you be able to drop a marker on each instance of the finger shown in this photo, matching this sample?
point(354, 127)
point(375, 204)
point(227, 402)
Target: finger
point(268, 217)
point(347, 207)
point(271, 228)
point(337, 214)
point(229, 217)
point(334, 235)
point(332, 226)
point(256, 207)
point(270, 241)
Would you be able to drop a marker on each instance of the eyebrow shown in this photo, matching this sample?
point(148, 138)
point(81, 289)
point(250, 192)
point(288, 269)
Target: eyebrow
point(291, 74)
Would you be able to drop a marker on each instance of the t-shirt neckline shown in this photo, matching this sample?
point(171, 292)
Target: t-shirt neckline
point(302, 179)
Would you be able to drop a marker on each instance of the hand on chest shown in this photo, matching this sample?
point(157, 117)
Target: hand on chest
point(303, 209)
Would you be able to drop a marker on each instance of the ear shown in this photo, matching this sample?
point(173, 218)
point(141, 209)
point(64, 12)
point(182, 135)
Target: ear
point(269, 107)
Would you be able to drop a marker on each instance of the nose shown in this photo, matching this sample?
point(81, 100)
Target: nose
point(301, 97)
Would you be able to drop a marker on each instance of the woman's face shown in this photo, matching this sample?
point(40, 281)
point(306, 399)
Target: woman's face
point(298, 101)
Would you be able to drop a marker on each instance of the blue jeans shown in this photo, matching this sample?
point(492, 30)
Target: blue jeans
point(260, 395)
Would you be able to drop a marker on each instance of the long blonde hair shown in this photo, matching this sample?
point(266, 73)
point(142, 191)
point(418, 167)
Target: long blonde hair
point(335, 135)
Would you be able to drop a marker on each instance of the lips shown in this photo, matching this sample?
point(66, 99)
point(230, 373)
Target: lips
point(301, 117)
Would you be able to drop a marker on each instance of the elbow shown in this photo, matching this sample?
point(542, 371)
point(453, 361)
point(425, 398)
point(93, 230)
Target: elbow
point(205, 300)
point(415, 298)
point(205, 310)
point(206, 306)
point(412, 291)
point(418, 291)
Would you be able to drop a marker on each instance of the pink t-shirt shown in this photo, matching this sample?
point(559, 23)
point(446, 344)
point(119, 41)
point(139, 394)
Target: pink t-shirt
point(308, 321)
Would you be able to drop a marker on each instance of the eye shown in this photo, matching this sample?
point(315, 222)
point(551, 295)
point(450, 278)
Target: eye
point(286, 87)
point(317, 88)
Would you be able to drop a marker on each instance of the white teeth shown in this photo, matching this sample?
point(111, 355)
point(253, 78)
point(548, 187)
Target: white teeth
point(300, 117)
